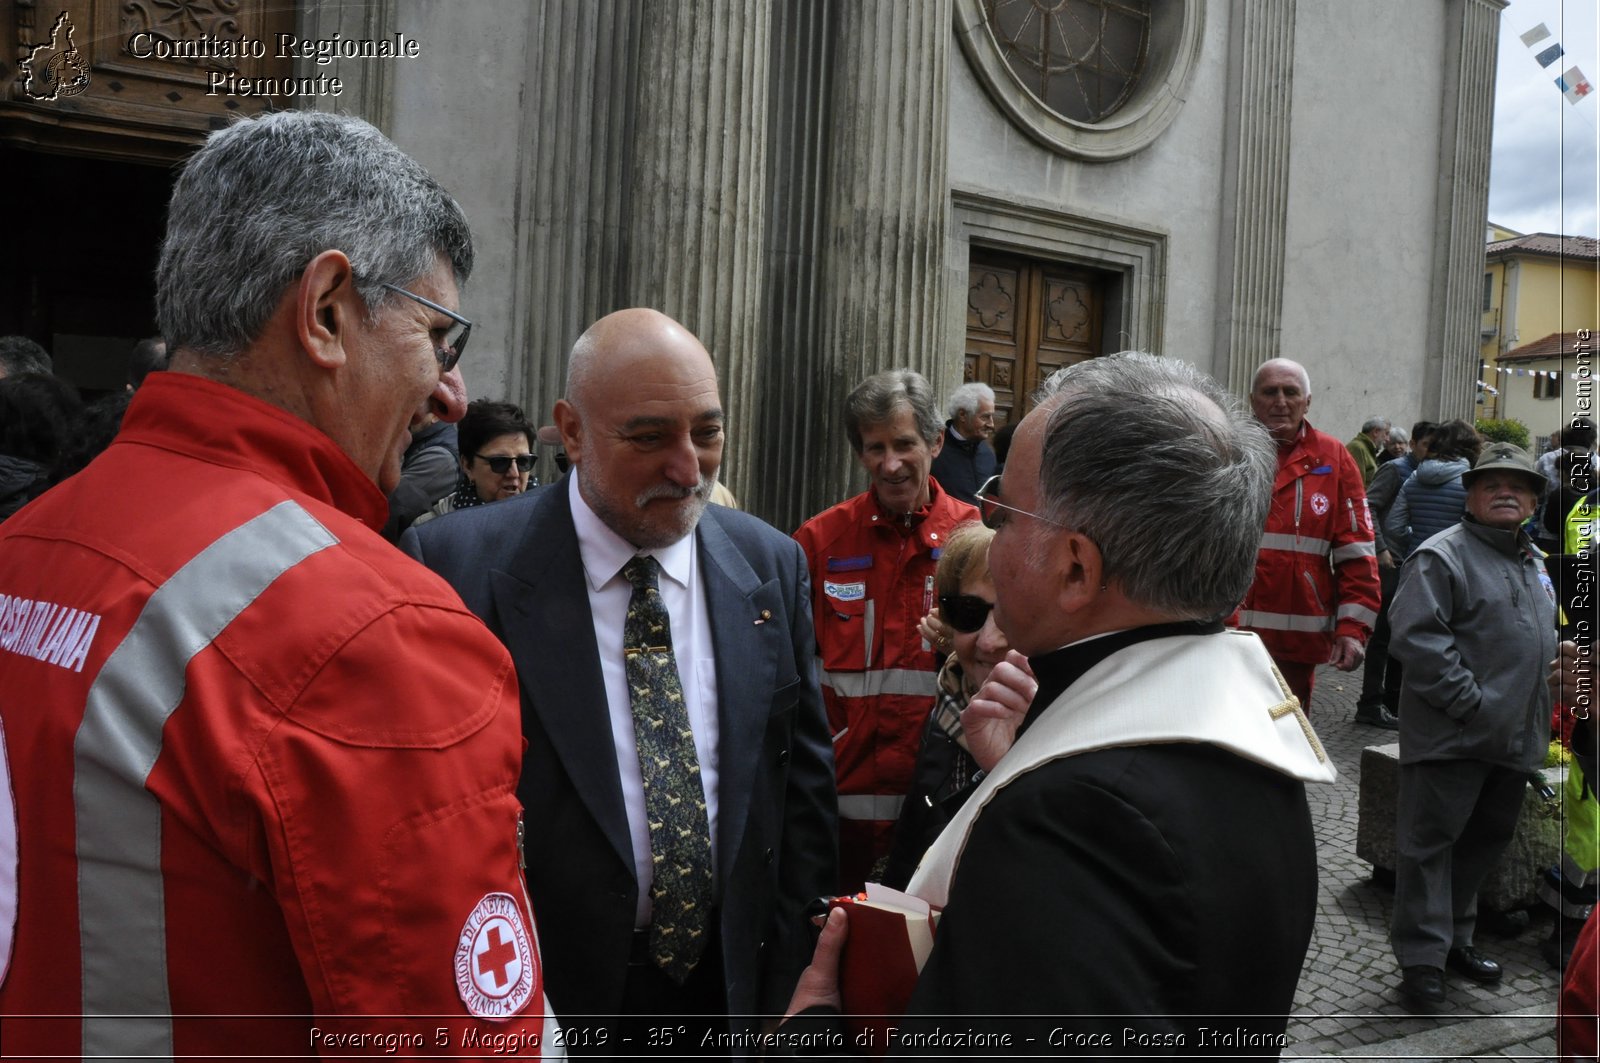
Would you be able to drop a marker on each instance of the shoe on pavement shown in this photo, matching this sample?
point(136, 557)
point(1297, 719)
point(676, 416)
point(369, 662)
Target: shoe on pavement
point(1423, 987)
point(1378, 716)
point(1468, 961)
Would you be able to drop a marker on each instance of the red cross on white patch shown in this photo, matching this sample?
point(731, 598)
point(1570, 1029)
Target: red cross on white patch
point(1319, 504)
point(497, 961)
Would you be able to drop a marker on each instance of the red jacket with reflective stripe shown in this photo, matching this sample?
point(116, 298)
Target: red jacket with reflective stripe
point(871, 583)
point(1317, 574)
point(268, 768)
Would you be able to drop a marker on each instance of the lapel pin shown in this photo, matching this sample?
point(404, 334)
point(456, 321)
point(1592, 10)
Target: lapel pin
point(766, 614)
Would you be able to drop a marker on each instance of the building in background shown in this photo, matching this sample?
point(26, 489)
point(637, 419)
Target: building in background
point(1539, 290)
point(819, 189)
point(1537, 383)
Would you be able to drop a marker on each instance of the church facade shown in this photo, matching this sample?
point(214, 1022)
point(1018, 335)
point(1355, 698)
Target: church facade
point(977, 189)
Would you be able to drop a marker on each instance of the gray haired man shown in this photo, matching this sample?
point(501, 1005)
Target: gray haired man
point(1368, 444)
point(1155, 732)
point(271, 762)
point(967, 459)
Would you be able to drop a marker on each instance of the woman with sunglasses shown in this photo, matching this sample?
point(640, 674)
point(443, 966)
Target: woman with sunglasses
point(962, 625)
point(497, 457)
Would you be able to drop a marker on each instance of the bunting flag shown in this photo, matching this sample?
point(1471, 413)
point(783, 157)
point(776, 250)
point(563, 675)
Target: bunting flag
point(1548, 374)
point(1573, 85)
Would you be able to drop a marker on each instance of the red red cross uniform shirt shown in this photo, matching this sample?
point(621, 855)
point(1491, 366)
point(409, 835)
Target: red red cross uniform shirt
point(870, 586)
point(1317, 572)
point(261, 763)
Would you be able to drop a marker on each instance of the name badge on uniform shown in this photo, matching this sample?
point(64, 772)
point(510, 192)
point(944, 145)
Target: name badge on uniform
point(844, 592)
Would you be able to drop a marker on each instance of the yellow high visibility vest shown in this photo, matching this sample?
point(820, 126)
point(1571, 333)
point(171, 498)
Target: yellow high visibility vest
point(1580, 526)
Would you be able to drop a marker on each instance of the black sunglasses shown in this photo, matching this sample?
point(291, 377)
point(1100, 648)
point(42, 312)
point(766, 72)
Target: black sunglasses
point(964, 612)
point(500, 463)
point(455, 337)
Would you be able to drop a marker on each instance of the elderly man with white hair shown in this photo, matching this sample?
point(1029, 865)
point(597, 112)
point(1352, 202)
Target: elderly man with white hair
point(967, 459)
point(1315, 596)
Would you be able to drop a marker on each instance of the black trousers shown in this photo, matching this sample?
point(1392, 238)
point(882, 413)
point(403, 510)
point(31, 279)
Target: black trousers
point(662, 1020)
point(1380, 680)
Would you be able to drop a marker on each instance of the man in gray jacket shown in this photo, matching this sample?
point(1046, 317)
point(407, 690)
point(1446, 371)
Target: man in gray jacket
point(1474, 624)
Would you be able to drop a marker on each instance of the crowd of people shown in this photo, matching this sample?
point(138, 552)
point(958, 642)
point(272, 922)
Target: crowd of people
point(578, 760)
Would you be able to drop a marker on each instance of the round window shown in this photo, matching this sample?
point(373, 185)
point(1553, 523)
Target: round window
point(1091, 79)
point(1081, 58)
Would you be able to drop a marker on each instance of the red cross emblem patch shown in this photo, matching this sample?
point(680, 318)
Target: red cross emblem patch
point(1319, 504)
point(497, 962)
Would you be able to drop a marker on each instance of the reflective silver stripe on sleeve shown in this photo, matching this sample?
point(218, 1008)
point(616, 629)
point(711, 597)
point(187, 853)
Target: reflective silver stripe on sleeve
point(882, 681)
point(1297, 544)
point(121, 898)
point(1359, 613)
point(1349, 550)
point(1254, 618)
point(870, 806)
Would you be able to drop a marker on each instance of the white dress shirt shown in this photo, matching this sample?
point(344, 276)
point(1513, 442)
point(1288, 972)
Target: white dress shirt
point(604, 554)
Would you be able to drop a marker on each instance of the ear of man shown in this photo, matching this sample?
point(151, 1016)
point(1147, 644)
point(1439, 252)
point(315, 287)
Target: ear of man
point(326, 309)
point(1076, 560)
point(570, 425)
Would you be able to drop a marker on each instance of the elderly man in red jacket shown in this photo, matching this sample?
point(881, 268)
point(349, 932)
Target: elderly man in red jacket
point(1315, 595)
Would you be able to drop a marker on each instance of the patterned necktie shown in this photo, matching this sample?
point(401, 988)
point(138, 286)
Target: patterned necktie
point(675, 804)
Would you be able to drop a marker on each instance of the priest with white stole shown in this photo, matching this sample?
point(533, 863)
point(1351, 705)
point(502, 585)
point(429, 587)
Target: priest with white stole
point(1137, 872)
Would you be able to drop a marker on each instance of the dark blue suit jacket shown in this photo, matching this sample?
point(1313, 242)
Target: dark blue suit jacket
point(516, 564)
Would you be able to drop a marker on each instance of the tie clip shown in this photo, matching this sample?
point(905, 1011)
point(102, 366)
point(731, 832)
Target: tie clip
point(629, 651)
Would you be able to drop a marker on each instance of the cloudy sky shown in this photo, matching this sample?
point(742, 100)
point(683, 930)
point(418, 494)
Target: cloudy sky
point(1544, 176)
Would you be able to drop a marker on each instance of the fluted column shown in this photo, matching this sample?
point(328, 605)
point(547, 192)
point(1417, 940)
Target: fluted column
point(795, 428)
point(696, 224)
point(886, 219)
point(569, 264)
point(1251, 265)
point(1472, 37)
point(368, 83)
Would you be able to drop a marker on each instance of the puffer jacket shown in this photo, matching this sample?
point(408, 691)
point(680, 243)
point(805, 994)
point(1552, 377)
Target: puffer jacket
point(1428, 503)
point(1474, 623)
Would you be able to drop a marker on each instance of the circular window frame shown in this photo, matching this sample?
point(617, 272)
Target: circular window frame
point(1174, 52)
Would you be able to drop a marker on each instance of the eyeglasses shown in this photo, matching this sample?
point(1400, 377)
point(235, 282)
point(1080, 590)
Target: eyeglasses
point(499, 464)
point(993, 511)
point(455, 337)
point(964, 612)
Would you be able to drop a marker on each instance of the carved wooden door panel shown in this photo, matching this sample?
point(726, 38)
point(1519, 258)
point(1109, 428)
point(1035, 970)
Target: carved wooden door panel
point(1025, 320)
point(133, 79)
point(996, 324)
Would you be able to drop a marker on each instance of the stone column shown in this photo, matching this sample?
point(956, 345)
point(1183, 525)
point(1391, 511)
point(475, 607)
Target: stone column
point(368, 83)
point(1250, 261)
point(885, 224)
point(575, 126)
point(1472, 39)
point(698, 181)
point(793, 428)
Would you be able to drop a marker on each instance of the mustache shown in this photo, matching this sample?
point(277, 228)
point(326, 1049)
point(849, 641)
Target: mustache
point(701, 490)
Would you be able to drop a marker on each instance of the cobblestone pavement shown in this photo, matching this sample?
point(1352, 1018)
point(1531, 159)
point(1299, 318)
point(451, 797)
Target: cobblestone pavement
point(1348, 1005)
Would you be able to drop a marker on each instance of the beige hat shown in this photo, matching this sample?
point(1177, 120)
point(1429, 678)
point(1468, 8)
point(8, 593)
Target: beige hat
point(1507, 456)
